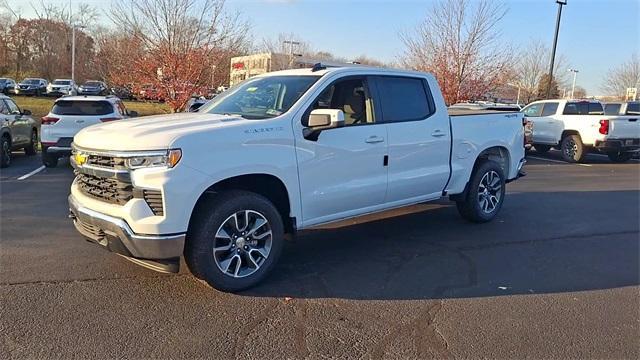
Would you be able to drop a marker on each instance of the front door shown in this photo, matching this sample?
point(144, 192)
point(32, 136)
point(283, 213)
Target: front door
point(342, 172)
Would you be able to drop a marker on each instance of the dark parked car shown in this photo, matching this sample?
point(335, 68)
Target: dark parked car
point(18, 130)
point(7, 86)
point(93, 87)
point(32, 86)
point(123, 92)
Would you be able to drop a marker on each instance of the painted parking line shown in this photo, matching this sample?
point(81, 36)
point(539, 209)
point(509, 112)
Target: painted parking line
point(25, 176)
point(557, 161)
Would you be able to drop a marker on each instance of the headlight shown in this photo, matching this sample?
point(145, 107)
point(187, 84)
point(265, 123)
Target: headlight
point(168, 159)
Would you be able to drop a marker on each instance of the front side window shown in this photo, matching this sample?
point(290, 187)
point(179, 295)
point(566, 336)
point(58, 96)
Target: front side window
point(550, 108)
point(350, 96)
point(403, 99)
point(13, 108)
point(261, 97)
point(82, 107)
point(533, 110)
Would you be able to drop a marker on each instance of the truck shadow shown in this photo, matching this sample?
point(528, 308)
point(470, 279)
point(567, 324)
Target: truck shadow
point(540, 243)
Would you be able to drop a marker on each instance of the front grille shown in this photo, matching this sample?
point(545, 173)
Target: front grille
point(105, 161)
point(154, 200)
point(106, 189)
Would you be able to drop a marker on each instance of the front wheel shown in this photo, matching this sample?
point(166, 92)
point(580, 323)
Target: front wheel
point(620, 157)
point(235, 240)
point(485, 194)
point(572, 149)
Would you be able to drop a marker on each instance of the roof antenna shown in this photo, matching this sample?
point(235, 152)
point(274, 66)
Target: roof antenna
point(318, 67)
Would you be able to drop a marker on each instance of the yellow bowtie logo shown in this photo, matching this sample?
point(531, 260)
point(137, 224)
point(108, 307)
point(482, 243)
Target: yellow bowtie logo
point(80, 158)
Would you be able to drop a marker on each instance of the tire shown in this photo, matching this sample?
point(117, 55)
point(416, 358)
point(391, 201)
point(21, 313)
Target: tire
point(572, 149)
point(49, 160)
point(487, 185)
point(32, 148)
point(214, 220)
point(5, 152)
point(620, 157)
point(541, 149)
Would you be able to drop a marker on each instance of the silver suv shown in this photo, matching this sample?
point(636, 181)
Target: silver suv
point(18, 130)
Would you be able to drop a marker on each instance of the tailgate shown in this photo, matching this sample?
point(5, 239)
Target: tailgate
point(624, 127)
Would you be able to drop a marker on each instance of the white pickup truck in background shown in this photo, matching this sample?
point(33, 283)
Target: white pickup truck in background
point(576, 127)
point(282, 152)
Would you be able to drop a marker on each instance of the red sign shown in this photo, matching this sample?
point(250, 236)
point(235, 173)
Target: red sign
point(237, 65)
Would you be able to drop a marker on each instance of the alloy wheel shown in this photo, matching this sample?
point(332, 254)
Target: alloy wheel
point(489, 192)
point(242, 243)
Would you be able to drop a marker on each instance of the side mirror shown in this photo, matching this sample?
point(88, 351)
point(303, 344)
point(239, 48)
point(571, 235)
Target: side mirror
point(132, 113)
point(322, 119)
point(26, 112)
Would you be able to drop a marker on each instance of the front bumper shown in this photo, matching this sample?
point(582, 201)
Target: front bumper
point(618, 145)
point(30, 91)
point(115, 235)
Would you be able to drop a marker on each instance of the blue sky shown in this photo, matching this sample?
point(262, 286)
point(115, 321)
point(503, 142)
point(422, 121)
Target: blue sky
point(595, 35)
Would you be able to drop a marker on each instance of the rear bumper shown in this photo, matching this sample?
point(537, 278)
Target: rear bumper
point(115, 235)
point(62, 147)
point(618, 145)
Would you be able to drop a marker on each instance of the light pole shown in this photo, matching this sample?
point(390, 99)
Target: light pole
point(561, 3)
point(291, 43)
point(573, 87)
point(518, 96)
point(73, 50)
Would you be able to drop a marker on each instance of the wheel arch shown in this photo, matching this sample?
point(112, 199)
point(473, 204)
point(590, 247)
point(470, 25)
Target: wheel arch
point(498, 153)
point(267, 185)
point(566, 133)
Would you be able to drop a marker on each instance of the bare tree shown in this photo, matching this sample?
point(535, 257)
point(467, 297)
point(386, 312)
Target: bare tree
point(459, 42)
point(625, 75)
point(532, 64)
point(183, 42)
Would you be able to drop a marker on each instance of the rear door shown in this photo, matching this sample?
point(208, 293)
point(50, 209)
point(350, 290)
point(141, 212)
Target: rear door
point(419, 139)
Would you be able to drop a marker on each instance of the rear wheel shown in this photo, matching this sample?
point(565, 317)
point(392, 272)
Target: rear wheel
point(485, 194)
point(234, 240)
point(541, 149)
point(5, 152)
point(620, 157)
point(572, 149)
point(32, 148)
point(49, 160)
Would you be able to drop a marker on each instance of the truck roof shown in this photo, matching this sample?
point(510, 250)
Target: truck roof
point(346, 68)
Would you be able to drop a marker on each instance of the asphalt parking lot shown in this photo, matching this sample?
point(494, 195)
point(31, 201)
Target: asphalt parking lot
point(556, 275)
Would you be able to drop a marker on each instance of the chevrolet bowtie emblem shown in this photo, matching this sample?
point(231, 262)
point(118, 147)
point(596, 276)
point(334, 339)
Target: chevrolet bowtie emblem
point(80, 158)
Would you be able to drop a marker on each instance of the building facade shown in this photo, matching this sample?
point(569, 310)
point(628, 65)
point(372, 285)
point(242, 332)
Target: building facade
point(244, 67)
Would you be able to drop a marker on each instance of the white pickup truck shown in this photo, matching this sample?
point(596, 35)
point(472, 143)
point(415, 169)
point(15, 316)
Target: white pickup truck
point(577, 127)
point(279, 153)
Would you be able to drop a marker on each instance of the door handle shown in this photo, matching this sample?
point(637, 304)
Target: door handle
point(438, 133)
point(374, 139)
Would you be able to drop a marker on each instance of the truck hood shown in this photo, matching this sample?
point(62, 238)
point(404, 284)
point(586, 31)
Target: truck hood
point(151, 132)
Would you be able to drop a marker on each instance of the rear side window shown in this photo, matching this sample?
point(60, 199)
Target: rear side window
point(596, 109)
point(633, 109)
point(611, 109)
point(533, 110)
point(550, 108)
point(403, 99)
point(583, 108)
point(3, 108)
point(70, 107)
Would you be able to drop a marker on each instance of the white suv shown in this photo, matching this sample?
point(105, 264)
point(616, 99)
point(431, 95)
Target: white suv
point(71, 114)
point(62, 87)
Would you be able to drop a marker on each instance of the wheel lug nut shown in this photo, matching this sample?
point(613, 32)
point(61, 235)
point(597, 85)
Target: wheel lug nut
point(246, 247)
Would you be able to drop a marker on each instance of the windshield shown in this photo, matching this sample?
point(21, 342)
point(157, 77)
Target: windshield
point(92, 83)
point(2, 81)
point(31, 81)
point(261, 98)
point(62, 82)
